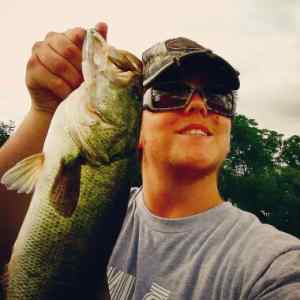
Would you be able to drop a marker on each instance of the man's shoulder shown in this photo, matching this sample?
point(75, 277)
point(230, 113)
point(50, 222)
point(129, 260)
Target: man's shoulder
point(272, 257)
point(259, 234)
point(259, 253)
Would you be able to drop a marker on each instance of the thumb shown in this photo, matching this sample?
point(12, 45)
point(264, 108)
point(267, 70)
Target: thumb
point(102, 28)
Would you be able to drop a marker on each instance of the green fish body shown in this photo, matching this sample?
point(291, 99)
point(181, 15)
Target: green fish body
point(81, 182)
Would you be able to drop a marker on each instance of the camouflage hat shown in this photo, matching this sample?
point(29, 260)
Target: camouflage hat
point(170, 55)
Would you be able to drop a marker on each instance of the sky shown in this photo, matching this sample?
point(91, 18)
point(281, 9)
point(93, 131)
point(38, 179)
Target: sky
point(260, 38)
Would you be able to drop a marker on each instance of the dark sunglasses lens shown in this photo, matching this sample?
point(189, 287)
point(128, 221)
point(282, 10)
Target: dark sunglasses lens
point(221, 103)
point(170, 95)
point(160, 100)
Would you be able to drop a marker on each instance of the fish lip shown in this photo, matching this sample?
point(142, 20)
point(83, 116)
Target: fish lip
point(195, 126)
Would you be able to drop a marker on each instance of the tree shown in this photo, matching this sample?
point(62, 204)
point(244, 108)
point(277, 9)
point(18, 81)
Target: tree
point(262, 174)
point(253, 150)
point(5, 131)
point(290, 153)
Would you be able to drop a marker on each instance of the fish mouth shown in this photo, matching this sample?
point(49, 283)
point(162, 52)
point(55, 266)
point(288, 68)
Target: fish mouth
point(125, 61)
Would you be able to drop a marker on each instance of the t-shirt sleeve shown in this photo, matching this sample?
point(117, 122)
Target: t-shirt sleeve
point(281, 280)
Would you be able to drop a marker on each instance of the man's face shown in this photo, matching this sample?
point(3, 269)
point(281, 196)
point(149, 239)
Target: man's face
point(171, 138)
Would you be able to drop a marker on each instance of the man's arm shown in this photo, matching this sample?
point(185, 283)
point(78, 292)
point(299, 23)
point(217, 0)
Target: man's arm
point(53, 72)
point(27, 140)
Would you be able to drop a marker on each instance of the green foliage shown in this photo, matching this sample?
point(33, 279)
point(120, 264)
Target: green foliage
point(291, 151)
point(5, 130)
point(262, 175)
point(253, 150)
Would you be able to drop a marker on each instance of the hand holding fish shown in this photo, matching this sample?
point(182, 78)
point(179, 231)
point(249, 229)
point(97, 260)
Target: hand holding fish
point(54, 68)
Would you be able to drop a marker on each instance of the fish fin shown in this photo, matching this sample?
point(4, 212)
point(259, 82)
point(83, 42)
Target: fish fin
point(5, 279)
point(5, 276)
point(104, 291)
point(24, 175)
point(4, 284)
point(65, 191)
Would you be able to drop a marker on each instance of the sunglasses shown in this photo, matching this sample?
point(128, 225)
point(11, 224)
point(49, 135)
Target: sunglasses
point(175, 95)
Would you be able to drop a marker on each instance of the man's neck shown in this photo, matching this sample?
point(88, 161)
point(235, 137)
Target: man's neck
point(174, 195)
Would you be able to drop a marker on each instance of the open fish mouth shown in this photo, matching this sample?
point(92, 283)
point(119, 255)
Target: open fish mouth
point(119, 66)
point(124, 61)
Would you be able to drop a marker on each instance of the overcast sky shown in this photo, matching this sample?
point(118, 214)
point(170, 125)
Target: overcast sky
point(259, 37)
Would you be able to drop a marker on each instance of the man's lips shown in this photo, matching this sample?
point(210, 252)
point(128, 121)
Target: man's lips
point(195, 126)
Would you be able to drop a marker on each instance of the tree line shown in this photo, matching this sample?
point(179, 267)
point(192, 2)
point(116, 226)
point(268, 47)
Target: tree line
point(260, 175)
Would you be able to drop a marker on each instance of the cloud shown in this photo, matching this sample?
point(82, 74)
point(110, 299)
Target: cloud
point(271, 15)
point(287, 101)
point(259, 38)
point(268, 57)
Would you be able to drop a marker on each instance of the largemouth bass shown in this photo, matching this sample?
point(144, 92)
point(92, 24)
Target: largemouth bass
point(81, 182)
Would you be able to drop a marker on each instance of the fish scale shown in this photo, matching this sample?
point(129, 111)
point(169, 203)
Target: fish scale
point(82, 183)
point(86, 220)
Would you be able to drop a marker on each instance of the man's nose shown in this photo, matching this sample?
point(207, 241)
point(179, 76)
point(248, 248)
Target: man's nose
point(197, 103)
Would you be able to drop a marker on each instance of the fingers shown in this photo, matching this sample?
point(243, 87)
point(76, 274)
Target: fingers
point(55, 63)
point(102, 28)
point(76, 36)
point(40, 78)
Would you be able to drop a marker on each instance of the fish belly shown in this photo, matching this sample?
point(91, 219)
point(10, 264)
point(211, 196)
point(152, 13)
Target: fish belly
point(58, 257)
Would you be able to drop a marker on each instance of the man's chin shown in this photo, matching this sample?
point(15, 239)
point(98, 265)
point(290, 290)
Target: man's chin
point(195, 169)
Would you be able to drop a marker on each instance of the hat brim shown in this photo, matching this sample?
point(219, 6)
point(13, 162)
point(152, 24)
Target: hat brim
point(217, 69)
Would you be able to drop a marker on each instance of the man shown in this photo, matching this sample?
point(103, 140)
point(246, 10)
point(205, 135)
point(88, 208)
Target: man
point(179, 240)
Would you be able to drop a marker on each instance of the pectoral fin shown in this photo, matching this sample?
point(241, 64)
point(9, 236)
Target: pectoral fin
point(24, 175)
point(64, 194)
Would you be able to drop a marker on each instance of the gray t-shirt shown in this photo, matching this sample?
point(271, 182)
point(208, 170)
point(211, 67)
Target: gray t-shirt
point(223, 253)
